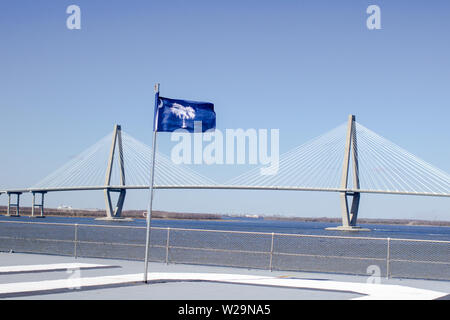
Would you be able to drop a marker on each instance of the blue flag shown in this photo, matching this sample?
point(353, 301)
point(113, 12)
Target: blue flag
point(175, 114)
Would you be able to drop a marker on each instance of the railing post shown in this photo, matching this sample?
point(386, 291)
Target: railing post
point(271, 252)
point(75, 241)
point(167, 245)
point(388, 257)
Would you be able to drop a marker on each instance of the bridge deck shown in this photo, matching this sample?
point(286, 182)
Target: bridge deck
point(222, 187)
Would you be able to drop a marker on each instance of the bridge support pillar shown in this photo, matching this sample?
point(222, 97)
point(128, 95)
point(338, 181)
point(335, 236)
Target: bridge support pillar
point(114, 213)
point(350, 215)
point(16, 205)
point(40, 206)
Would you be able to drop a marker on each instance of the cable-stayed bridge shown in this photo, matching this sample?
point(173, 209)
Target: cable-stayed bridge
point(350, 160)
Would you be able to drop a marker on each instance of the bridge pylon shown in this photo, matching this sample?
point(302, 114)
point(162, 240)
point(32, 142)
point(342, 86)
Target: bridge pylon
point(39, 206)
point(16, 204)
point(350, 213)
point(114, 213)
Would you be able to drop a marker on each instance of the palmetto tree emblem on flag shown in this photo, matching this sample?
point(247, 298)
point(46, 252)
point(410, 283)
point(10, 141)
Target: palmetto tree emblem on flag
point(173, 114)
point(183, 112)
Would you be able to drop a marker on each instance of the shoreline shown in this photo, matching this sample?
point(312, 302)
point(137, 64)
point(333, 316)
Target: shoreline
point(140, 214)
point(403, 222)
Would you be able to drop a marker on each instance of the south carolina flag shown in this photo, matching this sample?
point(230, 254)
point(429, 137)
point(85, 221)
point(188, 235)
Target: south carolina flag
point(173, 114)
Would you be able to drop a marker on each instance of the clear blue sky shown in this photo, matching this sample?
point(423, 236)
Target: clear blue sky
point(298, 66)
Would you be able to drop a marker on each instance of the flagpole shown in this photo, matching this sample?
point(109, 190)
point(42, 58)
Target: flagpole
point(150, 202)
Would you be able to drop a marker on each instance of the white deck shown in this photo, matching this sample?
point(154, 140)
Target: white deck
point(20, 280)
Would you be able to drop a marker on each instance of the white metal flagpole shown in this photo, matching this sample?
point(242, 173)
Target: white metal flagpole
point(150, 202)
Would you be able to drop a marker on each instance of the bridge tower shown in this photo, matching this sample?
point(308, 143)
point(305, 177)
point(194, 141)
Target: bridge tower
point(114, 213)
point(350, 213)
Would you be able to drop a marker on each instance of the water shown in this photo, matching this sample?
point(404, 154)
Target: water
point(261, 225)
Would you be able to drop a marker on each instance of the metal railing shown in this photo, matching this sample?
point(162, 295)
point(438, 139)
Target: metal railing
point(425, 259)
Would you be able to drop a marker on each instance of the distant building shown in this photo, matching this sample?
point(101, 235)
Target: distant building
point(64, 207)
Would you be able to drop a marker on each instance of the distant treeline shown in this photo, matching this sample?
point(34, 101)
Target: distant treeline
point(67, 212)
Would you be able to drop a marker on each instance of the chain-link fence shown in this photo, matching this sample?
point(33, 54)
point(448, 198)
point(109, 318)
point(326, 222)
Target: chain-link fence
point(425, 259)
